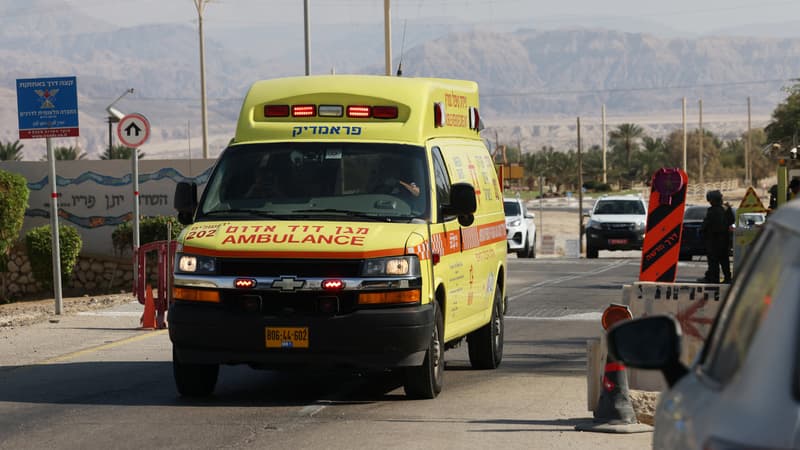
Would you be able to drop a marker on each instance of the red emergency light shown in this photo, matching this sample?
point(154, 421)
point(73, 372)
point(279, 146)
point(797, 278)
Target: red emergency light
point(384, 112)
point(438, 114)
point(474, 119)
point(304, 110)
point(359, 111)
point(276, 111)
point(332, 285)
point(244, 283)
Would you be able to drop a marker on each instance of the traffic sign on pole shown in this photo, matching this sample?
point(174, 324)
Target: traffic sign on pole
point(133, 130)
point(47, 107)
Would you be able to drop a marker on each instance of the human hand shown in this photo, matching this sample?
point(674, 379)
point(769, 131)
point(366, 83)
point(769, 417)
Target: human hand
point(410, 187)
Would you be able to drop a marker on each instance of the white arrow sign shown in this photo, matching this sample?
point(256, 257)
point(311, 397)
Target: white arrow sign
point(133, 130)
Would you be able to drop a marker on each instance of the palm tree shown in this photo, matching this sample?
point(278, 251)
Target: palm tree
point(119, 152)
point(67, 154)
point(11, 151)
point(626, 136)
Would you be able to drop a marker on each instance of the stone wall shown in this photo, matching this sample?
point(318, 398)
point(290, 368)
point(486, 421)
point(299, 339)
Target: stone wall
point(92, 275)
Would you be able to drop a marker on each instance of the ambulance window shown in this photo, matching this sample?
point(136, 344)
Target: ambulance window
point(442, 179)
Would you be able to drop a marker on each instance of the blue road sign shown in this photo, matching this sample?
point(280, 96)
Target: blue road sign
point(48, 107)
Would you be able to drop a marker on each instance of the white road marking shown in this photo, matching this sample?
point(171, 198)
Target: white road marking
point(110, 313)
point(570, 277)
point(588, 317)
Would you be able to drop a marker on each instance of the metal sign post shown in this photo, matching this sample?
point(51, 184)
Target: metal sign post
point(54, 228)
point(133, 130)
point(48, 108)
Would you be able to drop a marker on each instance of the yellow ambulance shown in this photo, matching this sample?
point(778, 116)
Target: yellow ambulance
point(353, 221)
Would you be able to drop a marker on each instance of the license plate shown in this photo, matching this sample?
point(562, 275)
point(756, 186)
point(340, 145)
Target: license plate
point(287, 337)
point(617, 241)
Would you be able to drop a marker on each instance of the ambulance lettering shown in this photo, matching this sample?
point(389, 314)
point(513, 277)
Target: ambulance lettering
point(297, 234)
point(322, 130)
point(291, 238)
point(199, 234)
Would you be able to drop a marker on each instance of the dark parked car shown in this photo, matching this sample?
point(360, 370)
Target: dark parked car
point(692, 239)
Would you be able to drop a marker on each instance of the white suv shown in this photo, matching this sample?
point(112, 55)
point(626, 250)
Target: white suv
point(617, 222)
point(520, 228)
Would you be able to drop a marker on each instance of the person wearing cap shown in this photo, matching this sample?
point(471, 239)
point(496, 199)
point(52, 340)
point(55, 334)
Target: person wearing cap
point(716, 235)
point(794, 188)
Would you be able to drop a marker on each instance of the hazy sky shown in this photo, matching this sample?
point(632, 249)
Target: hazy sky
point(681, 15)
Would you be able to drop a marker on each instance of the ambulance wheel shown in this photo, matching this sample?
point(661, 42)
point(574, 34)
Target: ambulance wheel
point(591, 252)
point(486, 343)
point(194, 380)
point(426, 381)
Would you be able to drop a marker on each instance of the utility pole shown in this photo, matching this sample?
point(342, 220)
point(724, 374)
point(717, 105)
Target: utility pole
point(685, 163)
point(307, 37)
point(605, 145)
point(387, 35)
point(580, 192)
point(748, 171)
point(201, 6)
point(702, 135)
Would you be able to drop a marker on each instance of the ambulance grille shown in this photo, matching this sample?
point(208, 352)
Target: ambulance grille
point(318, 268)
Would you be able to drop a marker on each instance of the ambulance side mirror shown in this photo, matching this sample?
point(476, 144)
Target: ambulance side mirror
point(462, 203)
point(186, 201)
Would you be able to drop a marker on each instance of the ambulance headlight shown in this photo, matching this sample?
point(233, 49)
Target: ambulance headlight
point(195, 264)
point(394, 266)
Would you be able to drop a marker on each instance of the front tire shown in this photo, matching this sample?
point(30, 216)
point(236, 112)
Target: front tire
point(591, 252)
point(486, 343)
point(194, 380)
point(425, 381)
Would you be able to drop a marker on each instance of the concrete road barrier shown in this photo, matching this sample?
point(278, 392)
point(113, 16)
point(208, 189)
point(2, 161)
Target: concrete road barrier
point(695, 305)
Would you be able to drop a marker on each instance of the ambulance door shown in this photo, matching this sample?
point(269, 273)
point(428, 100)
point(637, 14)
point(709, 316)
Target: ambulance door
point(470, 162)
point(450, 271)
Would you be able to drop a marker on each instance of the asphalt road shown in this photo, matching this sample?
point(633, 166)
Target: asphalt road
point(95, 381)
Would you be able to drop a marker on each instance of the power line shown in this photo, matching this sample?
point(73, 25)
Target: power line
point(633, 89)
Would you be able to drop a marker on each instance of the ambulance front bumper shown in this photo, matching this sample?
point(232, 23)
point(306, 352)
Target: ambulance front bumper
point(363, 338)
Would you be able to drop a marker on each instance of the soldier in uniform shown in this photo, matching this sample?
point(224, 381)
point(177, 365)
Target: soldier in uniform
point(716, 234)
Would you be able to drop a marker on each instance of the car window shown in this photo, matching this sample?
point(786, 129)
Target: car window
point(619, 207)
point(695, 213)
point(511, 208)
point(748, 303)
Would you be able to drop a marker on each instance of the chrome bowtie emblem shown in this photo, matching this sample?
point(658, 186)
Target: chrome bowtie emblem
point(288, 283)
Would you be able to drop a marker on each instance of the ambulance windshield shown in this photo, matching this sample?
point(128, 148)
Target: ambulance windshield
point(326, 180)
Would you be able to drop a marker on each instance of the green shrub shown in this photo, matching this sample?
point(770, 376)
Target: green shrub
point(39, 244)
point(13, 202)
point(151, 229)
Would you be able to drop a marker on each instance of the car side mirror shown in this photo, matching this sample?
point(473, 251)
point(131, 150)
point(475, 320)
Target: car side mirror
point(652, 342)
point(530, 215)
point(462, 203)
point(185, 201)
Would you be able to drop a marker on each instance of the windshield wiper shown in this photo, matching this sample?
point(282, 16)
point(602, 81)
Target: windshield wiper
point(349, 213)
